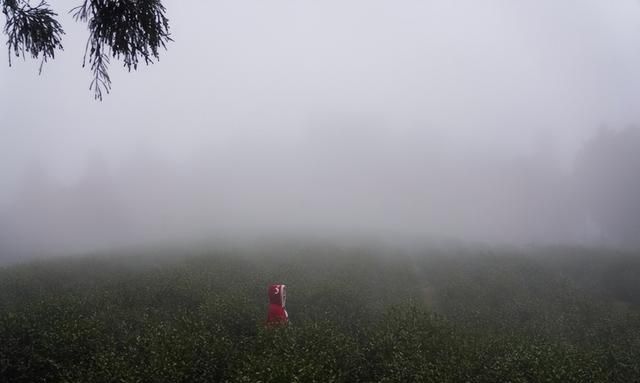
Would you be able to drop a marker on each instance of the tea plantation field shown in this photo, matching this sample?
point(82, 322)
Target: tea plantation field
point(357, 315)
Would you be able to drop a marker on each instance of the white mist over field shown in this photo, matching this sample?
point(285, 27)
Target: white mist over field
point(411, 120)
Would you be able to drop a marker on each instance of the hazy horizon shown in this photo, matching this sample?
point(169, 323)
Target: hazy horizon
point(398, 121)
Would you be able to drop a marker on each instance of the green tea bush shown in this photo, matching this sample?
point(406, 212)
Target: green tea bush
point(356, 316)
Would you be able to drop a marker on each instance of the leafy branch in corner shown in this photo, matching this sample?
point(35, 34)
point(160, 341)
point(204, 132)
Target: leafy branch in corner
point(32, 30)
point(129, 30)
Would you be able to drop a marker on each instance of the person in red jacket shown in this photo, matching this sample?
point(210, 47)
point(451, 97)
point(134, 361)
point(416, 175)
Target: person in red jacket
point(277, 315)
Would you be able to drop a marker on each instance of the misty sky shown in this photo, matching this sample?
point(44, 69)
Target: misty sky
point(326, 113)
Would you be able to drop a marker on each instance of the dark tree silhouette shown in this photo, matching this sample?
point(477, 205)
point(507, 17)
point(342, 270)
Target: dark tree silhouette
point(130, 30)
point(608, 174)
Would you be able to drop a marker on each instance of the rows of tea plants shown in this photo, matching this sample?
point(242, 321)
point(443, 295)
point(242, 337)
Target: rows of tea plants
point(357, 315)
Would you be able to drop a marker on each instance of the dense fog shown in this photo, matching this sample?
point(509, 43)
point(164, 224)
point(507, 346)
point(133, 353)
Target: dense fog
point(494, 122)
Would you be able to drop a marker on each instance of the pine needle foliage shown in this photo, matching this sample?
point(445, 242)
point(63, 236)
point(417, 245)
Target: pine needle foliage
point(132, 31)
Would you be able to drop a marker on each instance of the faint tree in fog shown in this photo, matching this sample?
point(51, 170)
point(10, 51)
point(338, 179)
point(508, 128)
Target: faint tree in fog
point(608, 175)
point(130, 30)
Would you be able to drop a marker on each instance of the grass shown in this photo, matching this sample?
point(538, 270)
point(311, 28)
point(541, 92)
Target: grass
point(537, 315)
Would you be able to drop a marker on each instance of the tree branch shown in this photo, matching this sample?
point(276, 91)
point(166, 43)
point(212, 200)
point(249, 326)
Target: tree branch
point(129, 30)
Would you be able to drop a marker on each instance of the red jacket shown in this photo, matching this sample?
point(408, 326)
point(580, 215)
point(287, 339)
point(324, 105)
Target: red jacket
point(277, 298)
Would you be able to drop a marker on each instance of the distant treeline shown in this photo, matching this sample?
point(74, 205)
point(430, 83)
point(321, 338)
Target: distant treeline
point(389, 189)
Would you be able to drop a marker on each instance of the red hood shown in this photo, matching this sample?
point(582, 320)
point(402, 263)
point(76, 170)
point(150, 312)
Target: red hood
point(277, 295)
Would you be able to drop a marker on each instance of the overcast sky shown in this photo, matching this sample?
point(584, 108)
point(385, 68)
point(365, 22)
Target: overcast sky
point(248, 82)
